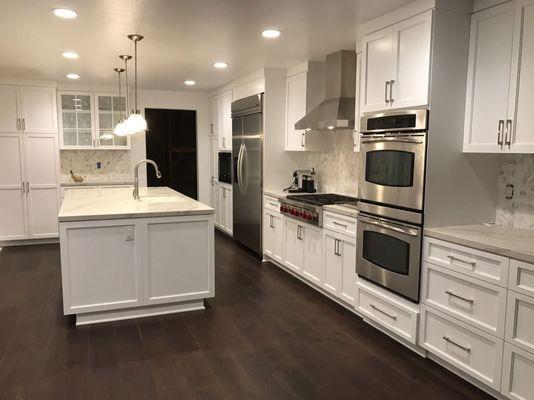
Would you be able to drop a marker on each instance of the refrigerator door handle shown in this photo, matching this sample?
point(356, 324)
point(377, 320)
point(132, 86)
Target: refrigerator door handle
point(244, 172)
point(239, 163)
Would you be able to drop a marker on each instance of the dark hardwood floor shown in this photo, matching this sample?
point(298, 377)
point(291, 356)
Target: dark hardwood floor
point(264, 336)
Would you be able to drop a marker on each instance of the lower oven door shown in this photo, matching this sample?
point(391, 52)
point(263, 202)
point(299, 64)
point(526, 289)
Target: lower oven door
point(389, 254)
point(393, 170)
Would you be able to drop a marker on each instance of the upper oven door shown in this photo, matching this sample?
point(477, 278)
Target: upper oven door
point(389, 253)
point(393, 170)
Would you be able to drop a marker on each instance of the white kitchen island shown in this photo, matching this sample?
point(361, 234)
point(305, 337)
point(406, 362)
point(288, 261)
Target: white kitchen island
point(123, 258)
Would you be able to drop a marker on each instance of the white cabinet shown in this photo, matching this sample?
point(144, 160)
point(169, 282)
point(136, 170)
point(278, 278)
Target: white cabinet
point(340, 265)
point(517, 374)
point(225, 207)
point(29, 186)
point(29, 109)
point(217, 203)
point(221, 119)
point(396, 65)
point(295, 140)
point(273, 235)
point(110, 109)
point(520, 321)
point(312, 266)
point(294, 245)
point(499, 87)
point(214, 164)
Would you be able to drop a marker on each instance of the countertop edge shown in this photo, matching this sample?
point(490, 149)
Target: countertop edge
point(337, 209)
point(156, 214)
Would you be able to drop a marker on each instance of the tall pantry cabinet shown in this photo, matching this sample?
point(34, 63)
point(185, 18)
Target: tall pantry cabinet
point(29, 163)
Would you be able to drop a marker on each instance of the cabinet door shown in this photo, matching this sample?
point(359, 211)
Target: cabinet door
point(279, 248)
point(268, 234)
point(517, 373)
point(214, 116)
point(225, 121)
point(76, 120)
point(295, 140)
point(412, 55)
point(488, 84)
point(110, 111)
point(9, 112)
point(332, 264)
point(223, 208)
point(12, 200)
point(348, 261)
point(294, 245)
point(217, 203)
point(378, 69)
point(229, 210)
point(214, 162)
point(41, 154)
point(520, 115)
point(39, 112)
point(312, 267)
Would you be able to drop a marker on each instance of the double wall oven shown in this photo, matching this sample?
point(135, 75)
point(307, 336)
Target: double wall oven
point(391, 192)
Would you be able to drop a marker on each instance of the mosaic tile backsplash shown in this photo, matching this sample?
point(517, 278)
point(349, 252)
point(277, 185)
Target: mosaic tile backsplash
point(115, 165)
point(518, 212)
point(337, 168)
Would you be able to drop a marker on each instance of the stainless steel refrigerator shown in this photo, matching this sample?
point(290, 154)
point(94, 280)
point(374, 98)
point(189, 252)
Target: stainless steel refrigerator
point(247, 141)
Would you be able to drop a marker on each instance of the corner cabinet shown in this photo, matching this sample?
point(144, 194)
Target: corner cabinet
point(87, 120)
point(221, 119)
point(499, 101)
point(396, 65)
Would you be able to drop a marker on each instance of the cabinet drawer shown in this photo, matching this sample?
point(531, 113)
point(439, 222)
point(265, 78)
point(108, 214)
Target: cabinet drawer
point(391, 315)
point(475, 352)
point(473, 301)
point(271, 203)
point(339, 223)
point(521, 277)
point(518, 373)
point(520, 321)
point(479, 264)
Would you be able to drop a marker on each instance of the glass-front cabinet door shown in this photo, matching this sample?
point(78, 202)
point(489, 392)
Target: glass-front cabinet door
point(76, 120)
point(111, 109)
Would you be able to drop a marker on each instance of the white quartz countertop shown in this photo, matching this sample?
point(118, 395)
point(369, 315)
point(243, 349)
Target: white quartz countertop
point(505, 241)
point(116, 203)
point(95, 183)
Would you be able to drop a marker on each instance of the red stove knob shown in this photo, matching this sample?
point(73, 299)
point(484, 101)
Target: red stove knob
point(298, 213)
point(307, 216)
point(283, 208)
point(293, 211)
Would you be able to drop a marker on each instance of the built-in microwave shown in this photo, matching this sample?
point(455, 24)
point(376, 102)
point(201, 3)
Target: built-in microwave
point(393, 152)
point(225, 167)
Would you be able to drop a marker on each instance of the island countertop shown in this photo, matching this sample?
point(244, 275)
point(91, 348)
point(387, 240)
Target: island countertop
point(117, 203)
point(505, 241)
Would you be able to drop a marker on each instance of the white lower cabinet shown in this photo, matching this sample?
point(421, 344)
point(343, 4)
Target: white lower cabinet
point(273, 235)
point(471, 350)
point(223, 207)
point(518, 373)
point(340, 265)
point(312, 268)
point(294, 245)
point(520, 321)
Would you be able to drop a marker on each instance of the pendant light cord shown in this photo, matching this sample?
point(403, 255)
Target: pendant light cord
point(126, 89)
point(120, 92)
point(135, 75)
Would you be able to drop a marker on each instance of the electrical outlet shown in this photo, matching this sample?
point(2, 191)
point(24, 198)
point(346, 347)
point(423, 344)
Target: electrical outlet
point(98, 165)
point(129, 234)
point(509, 192)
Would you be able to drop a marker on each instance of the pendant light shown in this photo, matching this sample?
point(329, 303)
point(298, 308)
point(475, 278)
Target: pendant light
point(119, 128)
point(135, 123)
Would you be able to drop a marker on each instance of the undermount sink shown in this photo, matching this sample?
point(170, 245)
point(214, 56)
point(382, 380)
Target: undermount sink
point(161, 199)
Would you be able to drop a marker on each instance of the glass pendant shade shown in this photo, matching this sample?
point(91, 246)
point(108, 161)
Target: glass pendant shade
point(120, 129)
point(135, 123)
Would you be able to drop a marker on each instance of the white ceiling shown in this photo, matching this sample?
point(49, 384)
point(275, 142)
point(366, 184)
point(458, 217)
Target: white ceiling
point(183, 38)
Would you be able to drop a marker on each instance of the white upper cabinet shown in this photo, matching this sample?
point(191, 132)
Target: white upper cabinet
point(396, 65)
point(500, 86)
point(28, 109)
point(38, 109)
point(221, 119)
point(9, 113)
point(489, 77)
point(295, 140)
point(111, 110)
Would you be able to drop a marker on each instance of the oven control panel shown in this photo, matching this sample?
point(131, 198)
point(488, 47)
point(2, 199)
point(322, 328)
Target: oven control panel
point(302, 213)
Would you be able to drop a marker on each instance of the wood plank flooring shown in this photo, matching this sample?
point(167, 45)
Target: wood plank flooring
point(264, 336)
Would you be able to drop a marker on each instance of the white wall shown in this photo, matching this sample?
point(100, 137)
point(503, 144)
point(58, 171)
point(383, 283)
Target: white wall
point(178, 101)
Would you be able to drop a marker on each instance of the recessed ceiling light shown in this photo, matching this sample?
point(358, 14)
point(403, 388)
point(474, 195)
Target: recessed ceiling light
point(189, 82)
point(73, 76)
point(270, 33)
point(70, 54)
point(65, 13)
point(220, 64)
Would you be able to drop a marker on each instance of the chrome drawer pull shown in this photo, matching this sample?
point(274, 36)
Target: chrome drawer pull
point(449, 340)
point(459, 297)
point(393, 317)
point(273, 204)
point(452, 258)
point(339, 224)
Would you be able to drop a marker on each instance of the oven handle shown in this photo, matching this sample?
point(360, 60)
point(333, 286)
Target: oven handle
point(392, 139)
point(406, 231)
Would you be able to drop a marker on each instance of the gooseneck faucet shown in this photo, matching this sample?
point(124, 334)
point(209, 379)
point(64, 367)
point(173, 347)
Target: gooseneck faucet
point(136, 176)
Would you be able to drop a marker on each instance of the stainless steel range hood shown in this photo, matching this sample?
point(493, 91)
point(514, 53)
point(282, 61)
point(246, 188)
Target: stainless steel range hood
point(337, 110)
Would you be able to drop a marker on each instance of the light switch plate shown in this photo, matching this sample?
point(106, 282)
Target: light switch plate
point(509, 192)
point(129, 234)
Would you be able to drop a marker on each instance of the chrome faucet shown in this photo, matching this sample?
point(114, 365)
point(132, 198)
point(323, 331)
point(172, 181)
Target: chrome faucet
point(136, 176)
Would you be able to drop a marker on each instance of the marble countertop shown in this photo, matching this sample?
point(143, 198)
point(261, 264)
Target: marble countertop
point(116, 203)
point(94, 183)
point(505, 241)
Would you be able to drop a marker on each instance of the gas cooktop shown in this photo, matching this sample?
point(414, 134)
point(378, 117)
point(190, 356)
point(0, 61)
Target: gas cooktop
point(309, 207)
point(322, 199)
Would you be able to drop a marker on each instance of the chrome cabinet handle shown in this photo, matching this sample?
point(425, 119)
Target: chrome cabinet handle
point(302, 140)
point(338, 247)
point(211, 128)
point(386, 92)
point(508, 136)
point(335, 247)
point(339, 224)
point(452, 258)
point(27, 187)
point(224, 192)
point(449, 340)
point(500, 129)
point(273, 204)
point(299, 232)
point(18, 124)
point(391, 90)
point(23, 124)
point(450, 293)
point(393, 317)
